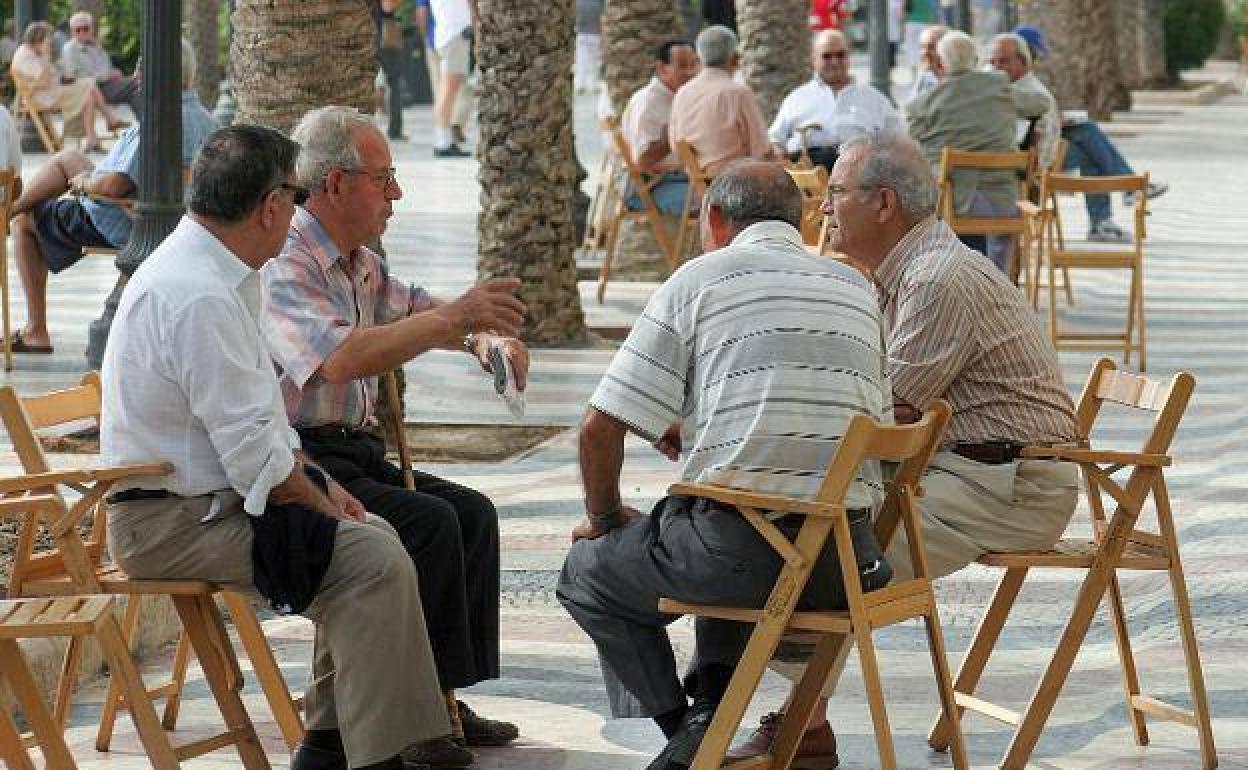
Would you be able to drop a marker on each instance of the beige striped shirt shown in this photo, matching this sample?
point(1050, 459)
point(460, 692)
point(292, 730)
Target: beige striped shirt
point(958, 330)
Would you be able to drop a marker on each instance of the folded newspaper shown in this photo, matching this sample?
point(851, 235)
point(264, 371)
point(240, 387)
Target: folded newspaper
point(505, 381)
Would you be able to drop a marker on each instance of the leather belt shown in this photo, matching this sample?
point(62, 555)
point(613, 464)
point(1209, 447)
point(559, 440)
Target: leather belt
point(857, 516)
point(131, 495)
point(989, 452)
point(332, 433)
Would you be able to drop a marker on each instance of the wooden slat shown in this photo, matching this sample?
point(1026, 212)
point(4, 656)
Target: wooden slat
point(81, 402)
point(207, 745)
point(753, 763)
point(988, 709)
point(741, 497)
point(1161, 710)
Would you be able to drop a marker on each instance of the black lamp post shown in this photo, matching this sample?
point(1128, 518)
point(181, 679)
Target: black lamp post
point(877, 47)
point(962, 16)
point(160, 156)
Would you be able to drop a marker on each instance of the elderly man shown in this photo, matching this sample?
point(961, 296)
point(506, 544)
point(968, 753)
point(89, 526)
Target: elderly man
point(52, 231)
point(187, 380)
point(645, 125)
point(930, 69)
point(715, 114)
point(83, 57)
point(957, 330)
point(335, 320)
point(1089, 150)
point(838, 108)
point(725, 348)
point(970, 110)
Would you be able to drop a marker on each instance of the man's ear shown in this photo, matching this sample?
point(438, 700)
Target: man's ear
point(890, 208)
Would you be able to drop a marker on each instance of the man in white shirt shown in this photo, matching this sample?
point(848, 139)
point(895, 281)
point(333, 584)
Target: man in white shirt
point(188, 380)
point(839, 108)
point(452, 38)
point(645, 125)
point(83, 57)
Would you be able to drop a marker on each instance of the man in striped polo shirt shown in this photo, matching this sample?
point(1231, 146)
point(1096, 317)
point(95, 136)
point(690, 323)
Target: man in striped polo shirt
point(752, 359)
point(957, 330)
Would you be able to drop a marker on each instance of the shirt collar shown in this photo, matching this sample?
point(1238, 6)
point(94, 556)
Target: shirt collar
point(306, 227)
point(660, 86)
point(770, 230)
point(820, 82)
point(889, 271)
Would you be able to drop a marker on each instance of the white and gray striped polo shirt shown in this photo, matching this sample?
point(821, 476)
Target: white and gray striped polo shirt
point(764, 352)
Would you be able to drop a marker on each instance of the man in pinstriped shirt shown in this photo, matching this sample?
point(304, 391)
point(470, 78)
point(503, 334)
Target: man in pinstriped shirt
point(957, 330)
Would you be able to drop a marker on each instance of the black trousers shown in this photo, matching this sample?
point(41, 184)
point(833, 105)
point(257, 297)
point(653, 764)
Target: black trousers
point(451, 533)
point(392, 66)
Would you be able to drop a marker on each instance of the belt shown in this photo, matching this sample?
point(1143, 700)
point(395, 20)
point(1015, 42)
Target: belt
point(332, 433)
point(131, 495)
point(857, 516)
point(989, 452)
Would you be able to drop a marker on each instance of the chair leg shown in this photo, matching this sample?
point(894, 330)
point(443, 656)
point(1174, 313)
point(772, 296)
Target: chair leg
point(944, 686)
point(829, 655)
point(216, 656)
point(26, 692)
point(1129, 336)
point(975, 660)
point(608, 255)
point(1130, 676)
point(4, 298)
point(112, 699)
point(265, 665)
point(177, 678)
point(12, 750)
point(121, 669)
point(875, 699)
point(68, 680)
point(1142, 334)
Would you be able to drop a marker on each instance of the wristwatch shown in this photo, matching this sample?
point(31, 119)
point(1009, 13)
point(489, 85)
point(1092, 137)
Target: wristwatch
point(608, 518)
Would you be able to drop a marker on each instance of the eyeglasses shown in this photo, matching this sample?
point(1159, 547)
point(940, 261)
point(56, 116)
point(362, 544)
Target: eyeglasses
point(835, 55)
point(298, 194)
point(80, 29)
point(383, 179)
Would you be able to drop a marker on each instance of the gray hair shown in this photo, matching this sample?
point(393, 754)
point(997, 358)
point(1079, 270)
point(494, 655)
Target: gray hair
point(716, 45)
point(188, 64)
point(327, 136)
point(1019, 43)
point(957, 52)
point(894, 161)
point(81, 17)
point(749, 191)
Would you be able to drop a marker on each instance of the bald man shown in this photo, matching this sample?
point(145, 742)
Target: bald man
point(838, 108)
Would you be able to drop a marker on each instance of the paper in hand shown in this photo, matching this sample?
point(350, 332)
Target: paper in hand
point(505, 381)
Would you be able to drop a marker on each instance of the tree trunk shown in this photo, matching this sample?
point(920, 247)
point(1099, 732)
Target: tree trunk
point(1082, 68)
point(528, 171)
point(1102, 81)
point(1151, 50)
point(775, 44)
point(632, 30)
point(205, 37)
point(287, 56)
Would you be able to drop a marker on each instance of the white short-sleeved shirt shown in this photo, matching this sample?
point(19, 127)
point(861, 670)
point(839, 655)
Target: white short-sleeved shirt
point(451, 18)
point(855, 111)
point(10, 142)
point(646, 118)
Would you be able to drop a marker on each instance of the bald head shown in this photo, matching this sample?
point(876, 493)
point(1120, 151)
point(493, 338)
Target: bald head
point(928, 39)
point(829, 55)
point(745, 193)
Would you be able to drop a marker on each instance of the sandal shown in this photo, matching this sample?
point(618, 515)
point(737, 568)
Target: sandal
point(19, 345)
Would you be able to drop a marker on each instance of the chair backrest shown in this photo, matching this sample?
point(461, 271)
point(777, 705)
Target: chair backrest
point(1108, 384)
point(1021, 162)
point(813, 184)
point(23, 418)
point(1054, 184)
point(698, 178)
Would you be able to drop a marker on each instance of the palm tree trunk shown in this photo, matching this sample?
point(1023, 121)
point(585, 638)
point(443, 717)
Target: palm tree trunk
point(1082, 69)
point(205, 38)
point(775, 42)
point(1151, 50)
point(287, 56)
point(632, 30)
point(528, 170)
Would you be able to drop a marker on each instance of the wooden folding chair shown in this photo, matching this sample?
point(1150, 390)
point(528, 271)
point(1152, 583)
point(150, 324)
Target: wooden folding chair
point(1022, 163)
point(25, 106)
point(50, 573)
point(1044, 219)
point(8, 188)
point(813, 183)
point(698, 182)
point(1058, 255)
point(77, 617)
point(601, 203)
point(910, 445)
point(1118, 544)
point(633, 180)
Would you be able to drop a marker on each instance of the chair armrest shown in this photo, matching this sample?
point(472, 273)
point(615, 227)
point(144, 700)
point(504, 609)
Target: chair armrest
point(35, 481)
point(1028, 208)
point(47, 506)
point(1081, 455)
point(740, 497)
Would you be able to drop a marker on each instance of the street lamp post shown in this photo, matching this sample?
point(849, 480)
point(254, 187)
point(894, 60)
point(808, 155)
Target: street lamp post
point(877, 47)
point(962, 16)
point(160, 156)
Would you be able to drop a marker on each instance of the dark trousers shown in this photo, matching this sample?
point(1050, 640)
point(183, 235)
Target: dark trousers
point(392, 66)
point(451, 533)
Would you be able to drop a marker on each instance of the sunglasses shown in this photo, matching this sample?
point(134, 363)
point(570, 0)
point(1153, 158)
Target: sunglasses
point(298, 194)
point(836, 55)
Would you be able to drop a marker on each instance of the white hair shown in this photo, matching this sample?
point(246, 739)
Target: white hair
point(1019, 43)
point(79, 17)
point(893, 160)
point(716, 45)
point(327, 138)
point(957, 52)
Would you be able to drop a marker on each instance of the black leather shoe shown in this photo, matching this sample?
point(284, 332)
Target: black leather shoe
point(679, 752)
point(479, 731)
point(439, 753)
point(451, 151)
point(312, 758)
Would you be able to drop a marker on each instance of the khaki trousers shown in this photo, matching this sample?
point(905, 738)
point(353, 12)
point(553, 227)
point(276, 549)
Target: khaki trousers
point(372, 669)
point(968, 509)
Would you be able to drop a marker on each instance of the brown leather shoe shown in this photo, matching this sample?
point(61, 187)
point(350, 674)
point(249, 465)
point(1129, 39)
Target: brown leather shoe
point(816, 751)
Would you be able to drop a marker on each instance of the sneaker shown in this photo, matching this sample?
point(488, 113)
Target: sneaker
point(451, 151)
point(816, 751)
point(479, 731)
point(439, 752)
point(1108, 232)
point(1155, 190)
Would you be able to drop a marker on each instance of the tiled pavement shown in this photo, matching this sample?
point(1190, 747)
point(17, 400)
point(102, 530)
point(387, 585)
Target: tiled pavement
point(1197, 291)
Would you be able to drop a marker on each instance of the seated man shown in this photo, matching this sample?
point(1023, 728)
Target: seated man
point(715, 114)
point(645, 121)
point(52, 231)
point(765, 352)
point(841, 108)
point(187, 380)
point(956, 330)
point(82, 58)
point(929, 63)
point(334, 321)
point(1090, 151)
point(972, 110)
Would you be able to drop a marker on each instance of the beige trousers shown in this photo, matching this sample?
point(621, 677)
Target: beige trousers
point(372, 669)
point(970, 508)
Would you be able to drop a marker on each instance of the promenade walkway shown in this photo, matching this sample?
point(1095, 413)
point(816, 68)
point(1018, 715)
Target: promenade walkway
point(1196, 284)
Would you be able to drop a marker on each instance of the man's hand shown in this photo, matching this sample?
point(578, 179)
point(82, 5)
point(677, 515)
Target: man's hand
point(488, 306)
point(515, 350)
point(669, 443)
point(588, 530)
point(904, 414)
point(348, 508)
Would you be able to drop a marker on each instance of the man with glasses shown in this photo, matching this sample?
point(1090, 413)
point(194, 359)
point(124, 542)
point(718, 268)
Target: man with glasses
point(335, 321)
point(83, 57)
point(836, 107)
